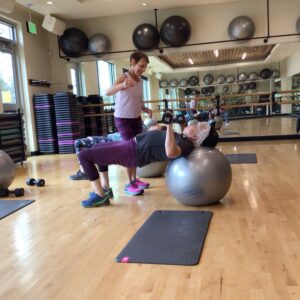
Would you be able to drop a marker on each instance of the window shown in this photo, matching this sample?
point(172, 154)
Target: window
point(106, 78)
point(8, 70)
point(75, 80)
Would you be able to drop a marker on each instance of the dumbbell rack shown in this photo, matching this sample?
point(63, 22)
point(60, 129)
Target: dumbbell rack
point(12, 136)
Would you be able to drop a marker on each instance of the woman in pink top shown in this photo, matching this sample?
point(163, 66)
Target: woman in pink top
point(128, 107)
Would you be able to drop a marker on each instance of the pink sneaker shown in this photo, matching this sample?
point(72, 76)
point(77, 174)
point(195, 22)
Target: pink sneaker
point(141, 184)
point(133, 189)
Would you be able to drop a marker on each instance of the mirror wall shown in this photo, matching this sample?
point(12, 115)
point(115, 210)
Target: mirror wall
point(255, 104)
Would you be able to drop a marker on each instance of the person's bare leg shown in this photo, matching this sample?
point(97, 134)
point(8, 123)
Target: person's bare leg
point(104, 180)
point(98, 188)
point(130, 174)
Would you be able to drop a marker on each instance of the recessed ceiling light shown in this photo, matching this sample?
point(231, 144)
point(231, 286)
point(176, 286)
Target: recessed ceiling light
point(144, 4)
point(216, 53)
point(190, 61)
point(244, 55)
point(49, 2)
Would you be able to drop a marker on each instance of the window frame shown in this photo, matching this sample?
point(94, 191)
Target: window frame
point(10, 47)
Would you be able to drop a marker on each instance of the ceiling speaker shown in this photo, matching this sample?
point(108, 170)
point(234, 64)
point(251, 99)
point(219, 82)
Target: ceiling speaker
point(54, 25)
point(7, 6)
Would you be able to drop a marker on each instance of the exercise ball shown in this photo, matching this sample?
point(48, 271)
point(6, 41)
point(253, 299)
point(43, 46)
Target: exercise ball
point(173, 83)
point(265, 73)
point(208, 79)
point(204, 90)
point(163, 84)
point(201, 178)
point(221, 79)
point(7, 170)
point(175, 31)
point(73, 42)
point(211, 89)
point(241, 27)
point(98, 43)
point(188, 92)
point(149, 122)
point(252, 85)
point(230, 78)
point(245, 86)
point(253, 76)
point(183, 82)
point(145, 37)
point(298, 25)
point(242, 76)
point(225, 88)
point(193, 80)
point(154, 169)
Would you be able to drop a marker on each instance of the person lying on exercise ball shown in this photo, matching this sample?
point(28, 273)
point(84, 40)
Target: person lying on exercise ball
point(142, 150)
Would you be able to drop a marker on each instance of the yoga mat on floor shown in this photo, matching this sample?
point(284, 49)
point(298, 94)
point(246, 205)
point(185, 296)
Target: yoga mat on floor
point(169, 238)
point(8, 207)
point(242, 158)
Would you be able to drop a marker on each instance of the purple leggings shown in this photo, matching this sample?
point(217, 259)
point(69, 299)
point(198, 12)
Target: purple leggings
point(112, 153)
point(129, 128)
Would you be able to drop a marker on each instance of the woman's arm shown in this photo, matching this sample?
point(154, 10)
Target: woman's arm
point(122, 83)
point(172, 149)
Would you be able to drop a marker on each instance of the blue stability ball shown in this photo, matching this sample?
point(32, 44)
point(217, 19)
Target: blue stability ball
point(73, 42)
point(175, 31)
point(202, 178)
point(145, 37)
point(241, 27)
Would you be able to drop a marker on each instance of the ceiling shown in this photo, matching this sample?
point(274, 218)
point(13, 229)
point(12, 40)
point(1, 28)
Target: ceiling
point(171, 62)
point(86, 9)
point(211, 58)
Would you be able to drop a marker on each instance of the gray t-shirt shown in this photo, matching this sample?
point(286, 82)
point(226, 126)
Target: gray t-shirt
point(151, 146)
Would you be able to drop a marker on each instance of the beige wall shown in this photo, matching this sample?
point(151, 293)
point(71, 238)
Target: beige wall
point(34, 64)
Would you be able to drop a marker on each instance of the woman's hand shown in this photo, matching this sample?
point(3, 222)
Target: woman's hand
point(148, 111)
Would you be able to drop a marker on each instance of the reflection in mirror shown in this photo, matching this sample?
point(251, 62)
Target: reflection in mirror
point(258, 86)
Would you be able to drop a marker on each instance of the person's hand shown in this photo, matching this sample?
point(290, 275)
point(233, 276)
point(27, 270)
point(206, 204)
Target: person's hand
point(128, 83)
point(148, 111)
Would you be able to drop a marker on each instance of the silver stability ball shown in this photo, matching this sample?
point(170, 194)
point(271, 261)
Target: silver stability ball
point(202, 178)
point(99, 43)
point(7, 170)
point(241, 27)
point(154, 169)
point(253, 76)
point(149, 122)
point(221, 79)
point(242, 76)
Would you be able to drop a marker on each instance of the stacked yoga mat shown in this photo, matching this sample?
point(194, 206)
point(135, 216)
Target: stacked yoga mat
point(45, 123)
point(67, 121)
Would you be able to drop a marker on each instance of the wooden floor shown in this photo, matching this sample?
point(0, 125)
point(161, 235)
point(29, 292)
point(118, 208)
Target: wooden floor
point(55, 249)
point(280, 125)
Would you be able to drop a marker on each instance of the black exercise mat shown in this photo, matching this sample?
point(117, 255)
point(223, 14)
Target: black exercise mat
point(242, 158)
point(7, 207)
point(168, 237)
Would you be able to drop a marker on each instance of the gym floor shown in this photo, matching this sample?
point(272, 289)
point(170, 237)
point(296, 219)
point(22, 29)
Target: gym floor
point(55, 249)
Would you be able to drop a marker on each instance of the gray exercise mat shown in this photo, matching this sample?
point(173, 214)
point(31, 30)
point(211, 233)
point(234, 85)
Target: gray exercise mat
point(169, 238)
point(242, 158)
point(8, 207)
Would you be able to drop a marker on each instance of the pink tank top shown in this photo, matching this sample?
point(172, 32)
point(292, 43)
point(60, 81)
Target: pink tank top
point(129, 101)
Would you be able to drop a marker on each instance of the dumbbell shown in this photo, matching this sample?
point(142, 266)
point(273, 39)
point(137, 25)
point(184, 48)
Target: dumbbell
point(167, 117)
point(180, 119)
point(17, 192)
point(37, 182)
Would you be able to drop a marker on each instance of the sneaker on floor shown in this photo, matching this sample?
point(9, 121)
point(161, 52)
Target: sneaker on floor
point(108, 192)
point(79, 176)
point(133, 189)
point(95, 201)
point(141, 184)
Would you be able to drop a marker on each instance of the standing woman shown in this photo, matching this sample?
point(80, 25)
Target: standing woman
point(128, 107)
